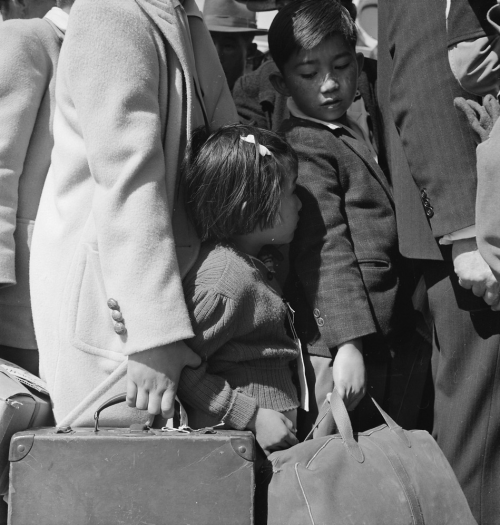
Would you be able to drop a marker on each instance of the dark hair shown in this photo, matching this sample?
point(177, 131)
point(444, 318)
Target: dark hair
point(64, 3)
point(231, 188)
point(304, 24)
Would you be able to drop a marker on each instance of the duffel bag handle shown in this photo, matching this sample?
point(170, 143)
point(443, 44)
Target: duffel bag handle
point(343, 422)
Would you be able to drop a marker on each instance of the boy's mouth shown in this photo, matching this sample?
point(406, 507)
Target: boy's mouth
point(331, 103)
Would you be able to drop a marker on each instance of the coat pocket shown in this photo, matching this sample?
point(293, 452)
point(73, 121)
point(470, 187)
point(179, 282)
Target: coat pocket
point(90, 322)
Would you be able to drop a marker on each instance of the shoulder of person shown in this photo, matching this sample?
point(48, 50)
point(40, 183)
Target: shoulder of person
point(23, 46)
point(305, 134)
point(221, 270)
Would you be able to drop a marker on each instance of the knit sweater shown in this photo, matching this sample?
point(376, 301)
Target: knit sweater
point(239, 325)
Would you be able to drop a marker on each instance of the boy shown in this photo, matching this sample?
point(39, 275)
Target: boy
point(343, 284)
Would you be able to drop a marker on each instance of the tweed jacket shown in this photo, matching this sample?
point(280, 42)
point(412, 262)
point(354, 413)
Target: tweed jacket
point(135, 77)
point(430, 145)
point(29, 52)
point(488, 195)
point(344, 281)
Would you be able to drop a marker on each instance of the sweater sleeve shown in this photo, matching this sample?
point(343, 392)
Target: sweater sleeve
point(324, 257)
point(215, 322)
point(24, 77)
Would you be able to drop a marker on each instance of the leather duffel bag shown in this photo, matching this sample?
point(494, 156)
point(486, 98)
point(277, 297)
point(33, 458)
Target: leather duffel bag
point(384, 476)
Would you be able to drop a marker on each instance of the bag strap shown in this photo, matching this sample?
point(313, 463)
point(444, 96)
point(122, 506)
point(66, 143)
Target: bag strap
point(343, 422)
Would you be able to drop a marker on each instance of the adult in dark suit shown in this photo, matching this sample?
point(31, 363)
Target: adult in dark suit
point(432, 159)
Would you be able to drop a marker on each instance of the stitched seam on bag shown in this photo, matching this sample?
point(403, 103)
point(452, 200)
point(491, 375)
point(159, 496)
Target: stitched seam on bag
point(417, 520)
point(304, 494)
point(318, 451)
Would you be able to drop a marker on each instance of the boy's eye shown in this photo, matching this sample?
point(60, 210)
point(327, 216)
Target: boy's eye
point(342, 66)
point(308, 75)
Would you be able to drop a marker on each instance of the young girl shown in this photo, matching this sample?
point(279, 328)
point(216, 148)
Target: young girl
point(240, 191)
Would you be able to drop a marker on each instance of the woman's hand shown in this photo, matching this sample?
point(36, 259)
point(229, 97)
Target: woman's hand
point(153, 376)
point(273, 431)
point(349, 373)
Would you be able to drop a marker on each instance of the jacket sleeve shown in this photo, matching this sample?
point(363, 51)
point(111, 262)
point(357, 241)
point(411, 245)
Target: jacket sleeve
point(324, 258)
point(113, 78)
point(246, 98)
point(24, 78)
point(215, 321)
point(488, 191)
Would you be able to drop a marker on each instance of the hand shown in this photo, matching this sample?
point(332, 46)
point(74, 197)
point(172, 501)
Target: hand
point(349, 373)
point(153, 376)
point(474, 273)
point(481, 118)
point(273, 430)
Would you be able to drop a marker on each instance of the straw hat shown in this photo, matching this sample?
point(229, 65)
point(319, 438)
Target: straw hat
point(227, 16)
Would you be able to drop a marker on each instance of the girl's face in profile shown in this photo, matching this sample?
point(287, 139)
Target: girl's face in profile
point(282, 232)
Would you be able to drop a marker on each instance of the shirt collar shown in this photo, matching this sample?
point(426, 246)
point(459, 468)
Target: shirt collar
point(59, 18)
point(354, 129)
point(296, 112)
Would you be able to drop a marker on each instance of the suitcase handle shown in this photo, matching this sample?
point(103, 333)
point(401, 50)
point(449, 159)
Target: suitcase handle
point(119, 398)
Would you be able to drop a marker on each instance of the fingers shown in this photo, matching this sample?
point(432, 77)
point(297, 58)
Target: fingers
point(131, 393)
point(168, 402)
point(464, 283)
point(479, 289)
point(192, 360)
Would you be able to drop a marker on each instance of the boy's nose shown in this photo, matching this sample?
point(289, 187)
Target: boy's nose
point(329, 84)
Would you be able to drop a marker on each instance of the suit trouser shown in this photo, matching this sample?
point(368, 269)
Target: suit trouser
point(466, 374)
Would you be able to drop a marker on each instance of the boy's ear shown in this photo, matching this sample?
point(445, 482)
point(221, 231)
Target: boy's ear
point(278, 83)
point(360, 59)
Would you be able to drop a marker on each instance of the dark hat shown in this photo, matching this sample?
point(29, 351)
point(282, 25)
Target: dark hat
point(260, 5)
point(227, 16)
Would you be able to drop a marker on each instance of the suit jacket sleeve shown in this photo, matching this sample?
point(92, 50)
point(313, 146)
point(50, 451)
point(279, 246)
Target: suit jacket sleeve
point(113, 79)
point(324, 257)
point(23, 81)
point(488, 192)
point(246, 97)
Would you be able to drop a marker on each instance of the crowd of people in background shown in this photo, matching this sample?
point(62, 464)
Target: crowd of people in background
point(184, 209)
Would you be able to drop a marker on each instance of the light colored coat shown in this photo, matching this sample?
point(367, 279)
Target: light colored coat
point(29, 51)
point(127, 98)
point(487, 200)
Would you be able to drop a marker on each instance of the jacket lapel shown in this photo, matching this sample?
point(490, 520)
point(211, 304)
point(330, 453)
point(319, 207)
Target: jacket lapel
point(364, 153)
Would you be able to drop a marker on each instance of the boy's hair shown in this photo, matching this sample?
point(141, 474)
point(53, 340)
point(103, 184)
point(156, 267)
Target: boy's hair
point(304, 24)
point(231, 188)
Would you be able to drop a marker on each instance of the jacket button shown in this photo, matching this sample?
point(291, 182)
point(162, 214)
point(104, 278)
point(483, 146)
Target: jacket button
point(113, 304)
point(316, 312)
point(117, 315)
point(429, 211)
point(423, 193)
point(120, 328)
point(320, 321)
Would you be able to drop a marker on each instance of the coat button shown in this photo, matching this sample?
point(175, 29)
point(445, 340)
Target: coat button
point(120, 328)
point(320, 321)
point(429, 211)
point(117, 315)
point(423, 193)
point(316, 312)
point(113, 304)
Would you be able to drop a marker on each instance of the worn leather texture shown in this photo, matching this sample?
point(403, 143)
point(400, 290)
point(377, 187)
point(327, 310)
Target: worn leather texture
point(383, 476)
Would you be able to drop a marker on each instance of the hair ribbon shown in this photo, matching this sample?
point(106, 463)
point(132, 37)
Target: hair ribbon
point(262, 149)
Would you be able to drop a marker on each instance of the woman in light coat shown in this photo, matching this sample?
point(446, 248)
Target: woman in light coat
point(112, 240)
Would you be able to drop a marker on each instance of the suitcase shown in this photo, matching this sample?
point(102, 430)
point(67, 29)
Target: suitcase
point(136, 475)
point(24, 402)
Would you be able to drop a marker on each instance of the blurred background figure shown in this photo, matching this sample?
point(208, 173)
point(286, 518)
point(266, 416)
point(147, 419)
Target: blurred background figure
point(232, 28)
point(11, 9)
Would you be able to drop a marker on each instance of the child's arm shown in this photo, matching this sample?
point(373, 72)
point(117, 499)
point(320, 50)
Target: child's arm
point(349, 374)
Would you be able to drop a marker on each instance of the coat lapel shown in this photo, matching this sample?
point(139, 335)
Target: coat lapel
point(364, 153)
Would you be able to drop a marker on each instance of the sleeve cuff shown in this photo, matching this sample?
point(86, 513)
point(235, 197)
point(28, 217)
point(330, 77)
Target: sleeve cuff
point(241, 411)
